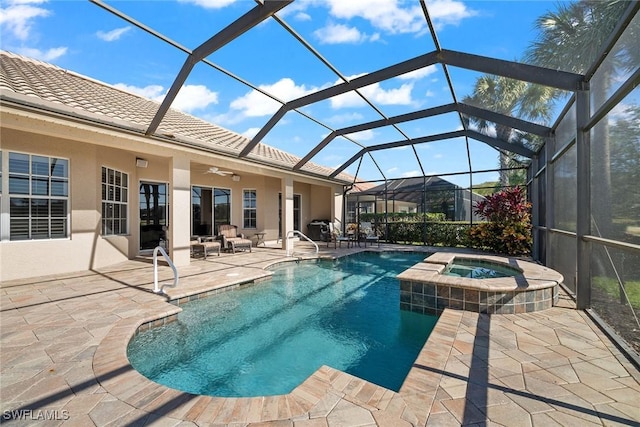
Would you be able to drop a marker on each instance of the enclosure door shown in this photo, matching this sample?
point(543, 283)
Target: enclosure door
point(153, 215)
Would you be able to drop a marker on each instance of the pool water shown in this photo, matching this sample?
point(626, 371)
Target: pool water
point(479, 270)
point(268, 338)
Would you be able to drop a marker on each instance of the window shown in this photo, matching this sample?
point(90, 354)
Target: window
point(38, 197)
point(249, 209)
point(115, 198)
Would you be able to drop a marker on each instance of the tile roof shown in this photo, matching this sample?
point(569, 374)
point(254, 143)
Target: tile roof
point(53, 88)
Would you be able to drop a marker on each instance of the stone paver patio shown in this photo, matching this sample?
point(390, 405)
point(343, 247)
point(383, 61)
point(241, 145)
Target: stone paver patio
point(63, 362)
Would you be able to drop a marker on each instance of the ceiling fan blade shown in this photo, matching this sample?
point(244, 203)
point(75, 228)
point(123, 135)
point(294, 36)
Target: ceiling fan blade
point(217, 171)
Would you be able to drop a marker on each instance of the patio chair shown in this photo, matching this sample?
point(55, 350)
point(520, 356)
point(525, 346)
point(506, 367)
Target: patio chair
point(204, 244)
point(368, 234)
point(350, 237)
point(232, 240)
point(330, 234)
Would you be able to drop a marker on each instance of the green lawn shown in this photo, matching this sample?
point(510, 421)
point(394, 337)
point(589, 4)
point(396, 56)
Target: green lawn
point(610, 287)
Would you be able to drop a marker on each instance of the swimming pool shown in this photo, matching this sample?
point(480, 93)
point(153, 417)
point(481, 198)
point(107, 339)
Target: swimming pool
point(267, 339)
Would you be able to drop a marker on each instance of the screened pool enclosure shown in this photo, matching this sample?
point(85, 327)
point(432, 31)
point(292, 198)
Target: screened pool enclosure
point(562, 119)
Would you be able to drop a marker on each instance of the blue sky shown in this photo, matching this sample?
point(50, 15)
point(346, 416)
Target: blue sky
point(355, 36)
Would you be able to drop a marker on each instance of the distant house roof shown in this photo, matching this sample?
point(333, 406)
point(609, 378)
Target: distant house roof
point(360, 186)
point(48, 87)
point(407, 188)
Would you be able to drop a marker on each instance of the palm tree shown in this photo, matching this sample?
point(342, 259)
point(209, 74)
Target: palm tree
point(511, 98)
point(571, 39)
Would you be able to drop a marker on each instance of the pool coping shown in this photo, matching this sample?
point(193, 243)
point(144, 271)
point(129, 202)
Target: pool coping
point(315, 397)
point(533, 276)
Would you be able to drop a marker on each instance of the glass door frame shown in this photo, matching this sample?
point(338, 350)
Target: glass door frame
point(215, 219)
point(162, 232)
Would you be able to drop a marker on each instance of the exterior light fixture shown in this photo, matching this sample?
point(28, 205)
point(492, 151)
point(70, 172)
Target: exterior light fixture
point(141, 163)
point(235, 177)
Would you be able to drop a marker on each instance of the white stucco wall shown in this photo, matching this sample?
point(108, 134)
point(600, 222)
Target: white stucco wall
point(88, 149)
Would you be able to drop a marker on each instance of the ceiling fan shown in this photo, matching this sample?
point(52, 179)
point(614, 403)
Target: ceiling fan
point(217, 171)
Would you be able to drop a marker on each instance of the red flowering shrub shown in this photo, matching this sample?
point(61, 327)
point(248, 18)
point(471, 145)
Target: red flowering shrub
point(508, 226)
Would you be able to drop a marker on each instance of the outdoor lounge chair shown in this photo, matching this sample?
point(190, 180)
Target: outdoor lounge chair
point(204, 244)
point(368, 234)
point(350, 237)
point(231, 239)
point(329, 234)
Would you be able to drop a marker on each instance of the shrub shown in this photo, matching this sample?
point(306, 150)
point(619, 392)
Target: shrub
point(508, 226)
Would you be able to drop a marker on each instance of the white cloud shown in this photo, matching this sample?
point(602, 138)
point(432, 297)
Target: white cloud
point(255, 104)
point(334, 160)
point(112, 35)
point(155, 92)
point(209, 4)
point(419, 73)
point(251, 132)
point(190, 97)
point(409, 174)
point(302, 16)
point(339, 33)
point(391, 17)
point(17, 18)
point(448, 12)
point(340, 119)
point(378, 95)
point(386, 15)
point(298, 8)
point(399, 96)
point(194, 97)
point(365, 135)
point(46, 55)
point(622, 111)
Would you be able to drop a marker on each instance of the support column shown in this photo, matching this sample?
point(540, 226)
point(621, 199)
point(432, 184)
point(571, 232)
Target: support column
point(180, 210)
point(550, 190)
point(336, 205)
point(535, 211)
point(583, 193)
point(286, 209)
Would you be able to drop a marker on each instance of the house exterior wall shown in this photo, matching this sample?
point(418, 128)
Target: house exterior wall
point(318, 206)
point(84, 249)
point(88, 149)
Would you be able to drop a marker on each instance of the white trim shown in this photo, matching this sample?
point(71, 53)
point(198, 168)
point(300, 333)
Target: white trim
point(5, 199)
point(166, 207)
point(255, 209)
point(213, 219)
point(127, 204)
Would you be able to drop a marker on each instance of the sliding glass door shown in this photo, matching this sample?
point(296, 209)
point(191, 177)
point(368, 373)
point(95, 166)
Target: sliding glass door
point(153, 210)
point(210, 207)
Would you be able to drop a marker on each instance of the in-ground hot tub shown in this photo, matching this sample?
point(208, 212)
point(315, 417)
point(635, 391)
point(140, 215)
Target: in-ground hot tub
point(428, 287)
